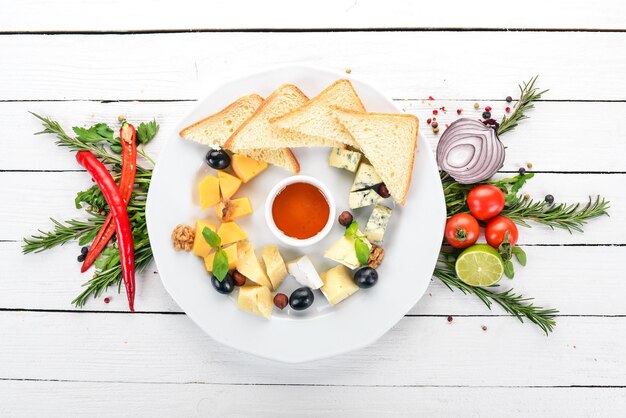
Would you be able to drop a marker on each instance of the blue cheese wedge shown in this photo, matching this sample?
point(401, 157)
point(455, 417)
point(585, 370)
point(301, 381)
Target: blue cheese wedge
point(365, 178)
point(377, 224)
point(338, 284)
point(364, 198)
point(304, 272)
point(343, 252)
point(343, 158)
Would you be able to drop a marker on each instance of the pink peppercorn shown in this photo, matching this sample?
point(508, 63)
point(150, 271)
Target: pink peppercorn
point(507, 110)
point(449, 319)
point(435, 112)
point(107, 300)
point(459, 111)
point(488, 108)
point(431, 98)
point(428, 121)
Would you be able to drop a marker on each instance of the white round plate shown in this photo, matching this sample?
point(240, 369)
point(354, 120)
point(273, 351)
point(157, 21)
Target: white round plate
point(412, 240)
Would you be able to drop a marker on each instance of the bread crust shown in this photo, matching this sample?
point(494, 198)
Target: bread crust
point(222, 112)
point(402, 202)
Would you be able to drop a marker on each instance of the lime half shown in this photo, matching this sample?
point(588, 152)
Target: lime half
point(479, 265)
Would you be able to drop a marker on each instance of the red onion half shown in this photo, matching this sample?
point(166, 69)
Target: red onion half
point(469, 151)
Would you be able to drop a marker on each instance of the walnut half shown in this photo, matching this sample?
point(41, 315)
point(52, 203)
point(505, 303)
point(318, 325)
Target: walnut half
point(376, 256)
point(183, 237)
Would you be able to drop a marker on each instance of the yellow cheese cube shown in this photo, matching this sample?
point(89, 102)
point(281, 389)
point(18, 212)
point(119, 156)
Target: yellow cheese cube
point(246, 168)
point(230, 232)
point(248, 265)
point(256, 299)
point(343, 252)
point(228, 184)
point(338, 284)
point(202, 248)
point(231, 252)
point(229, 210)
point(209, 189)
point(274, 265)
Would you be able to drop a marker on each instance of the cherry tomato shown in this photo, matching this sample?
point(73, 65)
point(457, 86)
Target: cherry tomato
point(497, 227)
point(462, 230)
point(485, 201)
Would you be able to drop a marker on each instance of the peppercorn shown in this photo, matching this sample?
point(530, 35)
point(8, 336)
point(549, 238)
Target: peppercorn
point(434, 125)
point(435, 112)
point(436, 130)
point(428, 121)
point(107, 300)
point(348, 71)
point(345, 219)
point(80, 258)
point(459, 111)
point(84, 250)
point(507, 110)
point(509, 99)
point(121, 118)
point(529, 165)
point(486, 114)
point(488, 108)
point(549, 199)
point(522, 170)
point(526, 196)
point(476, 105)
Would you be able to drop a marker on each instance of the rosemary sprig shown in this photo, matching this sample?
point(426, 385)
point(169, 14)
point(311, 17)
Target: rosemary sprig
point(528, 94)
point(571, 217)
point(517, 305)
point(63, 232)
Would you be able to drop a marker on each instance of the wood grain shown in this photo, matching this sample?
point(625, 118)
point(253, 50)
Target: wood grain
point(42, 398)
point(449, 65)
point(72, 15)
point(552, 139)
point(417, 351)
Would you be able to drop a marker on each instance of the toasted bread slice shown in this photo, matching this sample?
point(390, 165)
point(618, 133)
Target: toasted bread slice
point(389, 142)
point(255, 132)
point(314, 124)
point(216, 129)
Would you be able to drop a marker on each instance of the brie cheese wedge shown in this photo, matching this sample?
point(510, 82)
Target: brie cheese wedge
point(304, 272)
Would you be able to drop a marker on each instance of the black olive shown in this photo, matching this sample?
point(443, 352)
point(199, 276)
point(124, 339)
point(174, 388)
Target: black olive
point(549, 199)
point(226, 286)
point(366, 277)
point(80, 258)
point(84, 250)
point(217, 159)
point(301, 298)
point(486, 114)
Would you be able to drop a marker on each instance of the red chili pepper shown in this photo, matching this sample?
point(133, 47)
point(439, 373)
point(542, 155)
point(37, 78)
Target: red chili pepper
point(117, 206)
point(128, 136)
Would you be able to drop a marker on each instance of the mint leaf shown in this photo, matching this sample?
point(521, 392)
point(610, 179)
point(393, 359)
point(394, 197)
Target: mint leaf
point(211, 237)
point(220, 264)
point(520, 255)
point(147, 131)
point(352, 230)
point(509, 271)
point(362, 251)
point(97, 133)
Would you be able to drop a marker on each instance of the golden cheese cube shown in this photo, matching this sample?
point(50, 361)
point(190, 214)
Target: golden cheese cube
point(338, 284)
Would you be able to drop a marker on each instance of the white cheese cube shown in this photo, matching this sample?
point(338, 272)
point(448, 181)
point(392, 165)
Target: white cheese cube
point(304, 272)
point(377, 224)
point(343, 158)
point(364, 198)
point(338, 284)
point(343, 252)
point(365, 178)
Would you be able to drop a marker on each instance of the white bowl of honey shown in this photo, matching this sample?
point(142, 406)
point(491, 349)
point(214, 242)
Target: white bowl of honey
point(300, 211)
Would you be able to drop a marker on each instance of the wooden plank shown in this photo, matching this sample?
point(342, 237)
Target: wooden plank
point(75, 398)
point(552, 139)
point(418, 351)
point(72, 15)
point(52, 279)
point(52, 195)
point(415, 64)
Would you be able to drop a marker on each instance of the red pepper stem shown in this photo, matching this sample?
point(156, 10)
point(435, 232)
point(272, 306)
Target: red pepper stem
point(117, 206)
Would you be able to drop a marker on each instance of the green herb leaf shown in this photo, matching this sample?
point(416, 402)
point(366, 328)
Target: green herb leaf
point(211, 237)
point(352, 230)
point(509, 271)
point(97, 133)
point(505, 248)
point(220, 264)
point(147, 131)
point(520, 255)
point(362, 251)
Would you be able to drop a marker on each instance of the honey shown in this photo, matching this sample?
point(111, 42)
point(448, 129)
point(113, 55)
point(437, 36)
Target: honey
point(300, 210)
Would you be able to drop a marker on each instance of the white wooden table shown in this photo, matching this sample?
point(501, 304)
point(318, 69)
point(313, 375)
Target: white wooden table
point(81, 62)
